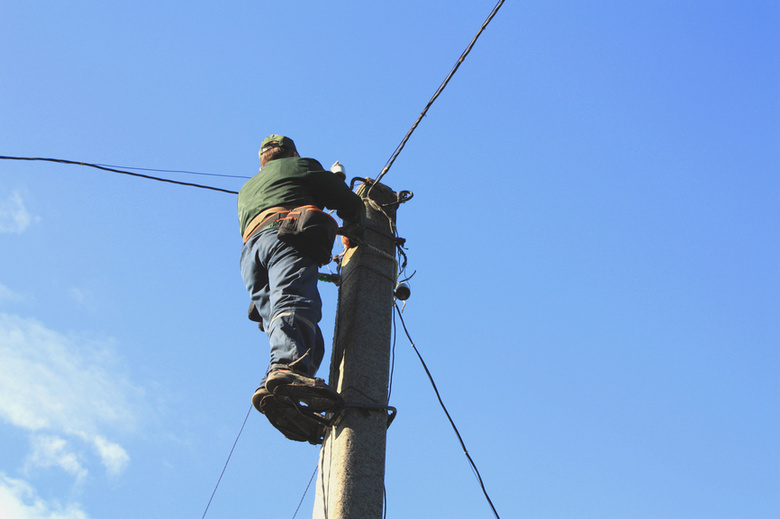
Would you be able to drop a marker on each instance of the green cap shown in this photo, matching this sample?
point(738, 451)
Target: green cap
point(274, 141)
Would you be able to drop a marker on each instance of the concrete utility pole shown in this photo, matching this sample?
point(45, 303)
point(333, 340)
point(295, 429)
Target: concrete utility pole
point(351, 477)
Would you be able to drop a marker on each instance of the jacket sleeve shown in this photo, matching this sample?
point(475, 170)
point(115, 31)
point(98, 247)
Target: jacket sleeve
point(333, 193)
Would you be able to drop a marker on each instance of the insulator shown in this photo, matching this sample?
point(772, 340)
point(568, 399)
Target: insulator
point(402, 291)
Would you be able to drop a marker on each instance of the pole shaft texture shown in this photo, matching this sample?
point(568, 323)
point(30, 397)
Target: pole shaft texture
point(350, 484)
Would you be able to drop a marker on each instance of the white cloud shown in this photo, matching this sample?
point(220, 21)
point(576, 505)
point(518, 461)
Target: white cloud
point(18, 500)
point(53, 451)
point(66, 392)
point(113, 456)
point(14, 217)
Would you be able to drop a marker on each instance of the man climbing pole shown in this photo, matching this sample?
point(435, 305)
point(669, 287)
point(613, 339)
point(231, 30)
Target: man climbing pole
point(286, 238)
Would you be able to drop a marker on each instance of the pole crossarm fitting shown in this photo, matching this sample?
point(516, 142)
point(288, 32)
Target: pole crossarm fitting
point(366, 409)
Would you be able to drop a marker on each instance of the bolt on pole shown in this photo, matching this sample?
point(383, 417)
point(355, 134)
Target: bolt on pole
point(350, 484)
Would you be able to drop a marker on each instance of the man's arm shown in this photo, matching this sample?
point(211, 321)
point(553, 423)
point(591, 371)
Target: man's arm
point(333, 193)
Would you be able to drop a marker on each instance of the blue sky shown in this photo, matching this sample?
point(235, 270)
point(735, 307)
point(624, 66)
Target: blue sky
point(595, 233)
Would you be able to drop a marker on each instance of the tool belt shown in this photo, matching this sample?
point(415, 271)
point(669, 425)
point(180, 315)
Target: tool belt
point(310, 230)
point(307, 228)
point(263, 220)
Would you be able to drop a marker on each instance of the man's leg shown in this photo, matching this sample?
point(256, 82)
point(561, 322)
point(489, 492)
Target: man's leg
point(283, 284)
point(296, 310)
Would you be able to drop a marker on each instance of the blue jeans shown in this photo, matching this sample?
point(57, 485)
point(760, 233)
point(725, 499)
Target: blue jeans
point(282, 282)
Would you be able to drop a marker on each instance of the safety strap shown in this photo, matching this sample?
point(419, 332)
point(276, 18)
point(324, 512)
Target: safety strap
point(259, 222)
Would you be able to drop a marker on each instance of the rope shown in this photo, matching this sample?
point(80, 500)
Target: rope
point(402, 197)
point(380, 253)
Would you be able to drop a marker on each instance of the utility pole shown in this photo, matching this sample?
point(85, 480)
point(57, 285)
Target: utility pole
point(350, 484)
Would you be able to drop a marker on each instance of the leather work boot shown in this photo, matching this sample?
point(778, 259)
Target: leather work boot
point(287, 419)
point(301, 391)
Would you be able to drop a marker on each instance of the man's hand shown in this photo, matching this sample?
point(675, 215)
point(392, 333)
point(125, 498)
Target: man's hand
point(351, 234)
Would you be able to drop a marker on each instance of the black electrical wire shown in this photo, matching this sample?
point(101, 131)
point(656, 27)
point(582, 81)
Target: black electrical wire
point(305, 491)
point(392, 360)
point(439, 91)
point(120, 171)
point(399, 148)
point(452, 423)
point(226, 462)
point(186, 172)
point(116, 169)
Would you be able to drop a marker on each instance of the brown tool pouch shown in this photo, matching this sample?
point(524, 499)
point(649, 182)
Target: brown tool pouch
point(311, 231)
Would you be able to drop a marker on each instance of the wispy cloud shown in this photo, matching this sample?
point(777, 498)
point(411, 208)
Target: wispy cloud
point(9, 296)
point(68, 393)
point(53, 451)
point(14, 216)
point(19, 500)
point(113, 456)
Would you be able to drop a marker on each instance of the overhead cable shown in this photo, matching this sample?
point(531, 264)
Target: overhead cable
point(444, 408)
point(120, 171)
point(439, 90)
point(306, 491)
point(226, 462)
point(186, 172)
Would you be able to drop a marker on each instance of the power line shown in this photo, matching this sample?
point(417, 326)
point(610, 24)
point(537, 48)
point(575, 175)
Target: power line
point(120, 171)
point(226, 462)
point(306, 491)
point(439, 90)
point(116, 169)
point(175, 171)
point(384, 171)
point(452, 423)
point(399, 148)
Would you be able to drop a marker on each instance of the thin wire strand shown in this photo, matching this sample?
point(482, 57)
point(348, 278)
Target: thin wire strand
point(452, 423)
point(392, 360)
point(439, 91)
point(174, 171)
point(120, 171)
point(227, 461)
point(115, 169)
point(306, 491)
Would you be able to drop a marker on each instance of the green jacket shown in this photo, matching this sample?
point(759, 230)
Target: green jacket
point(297, 181)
